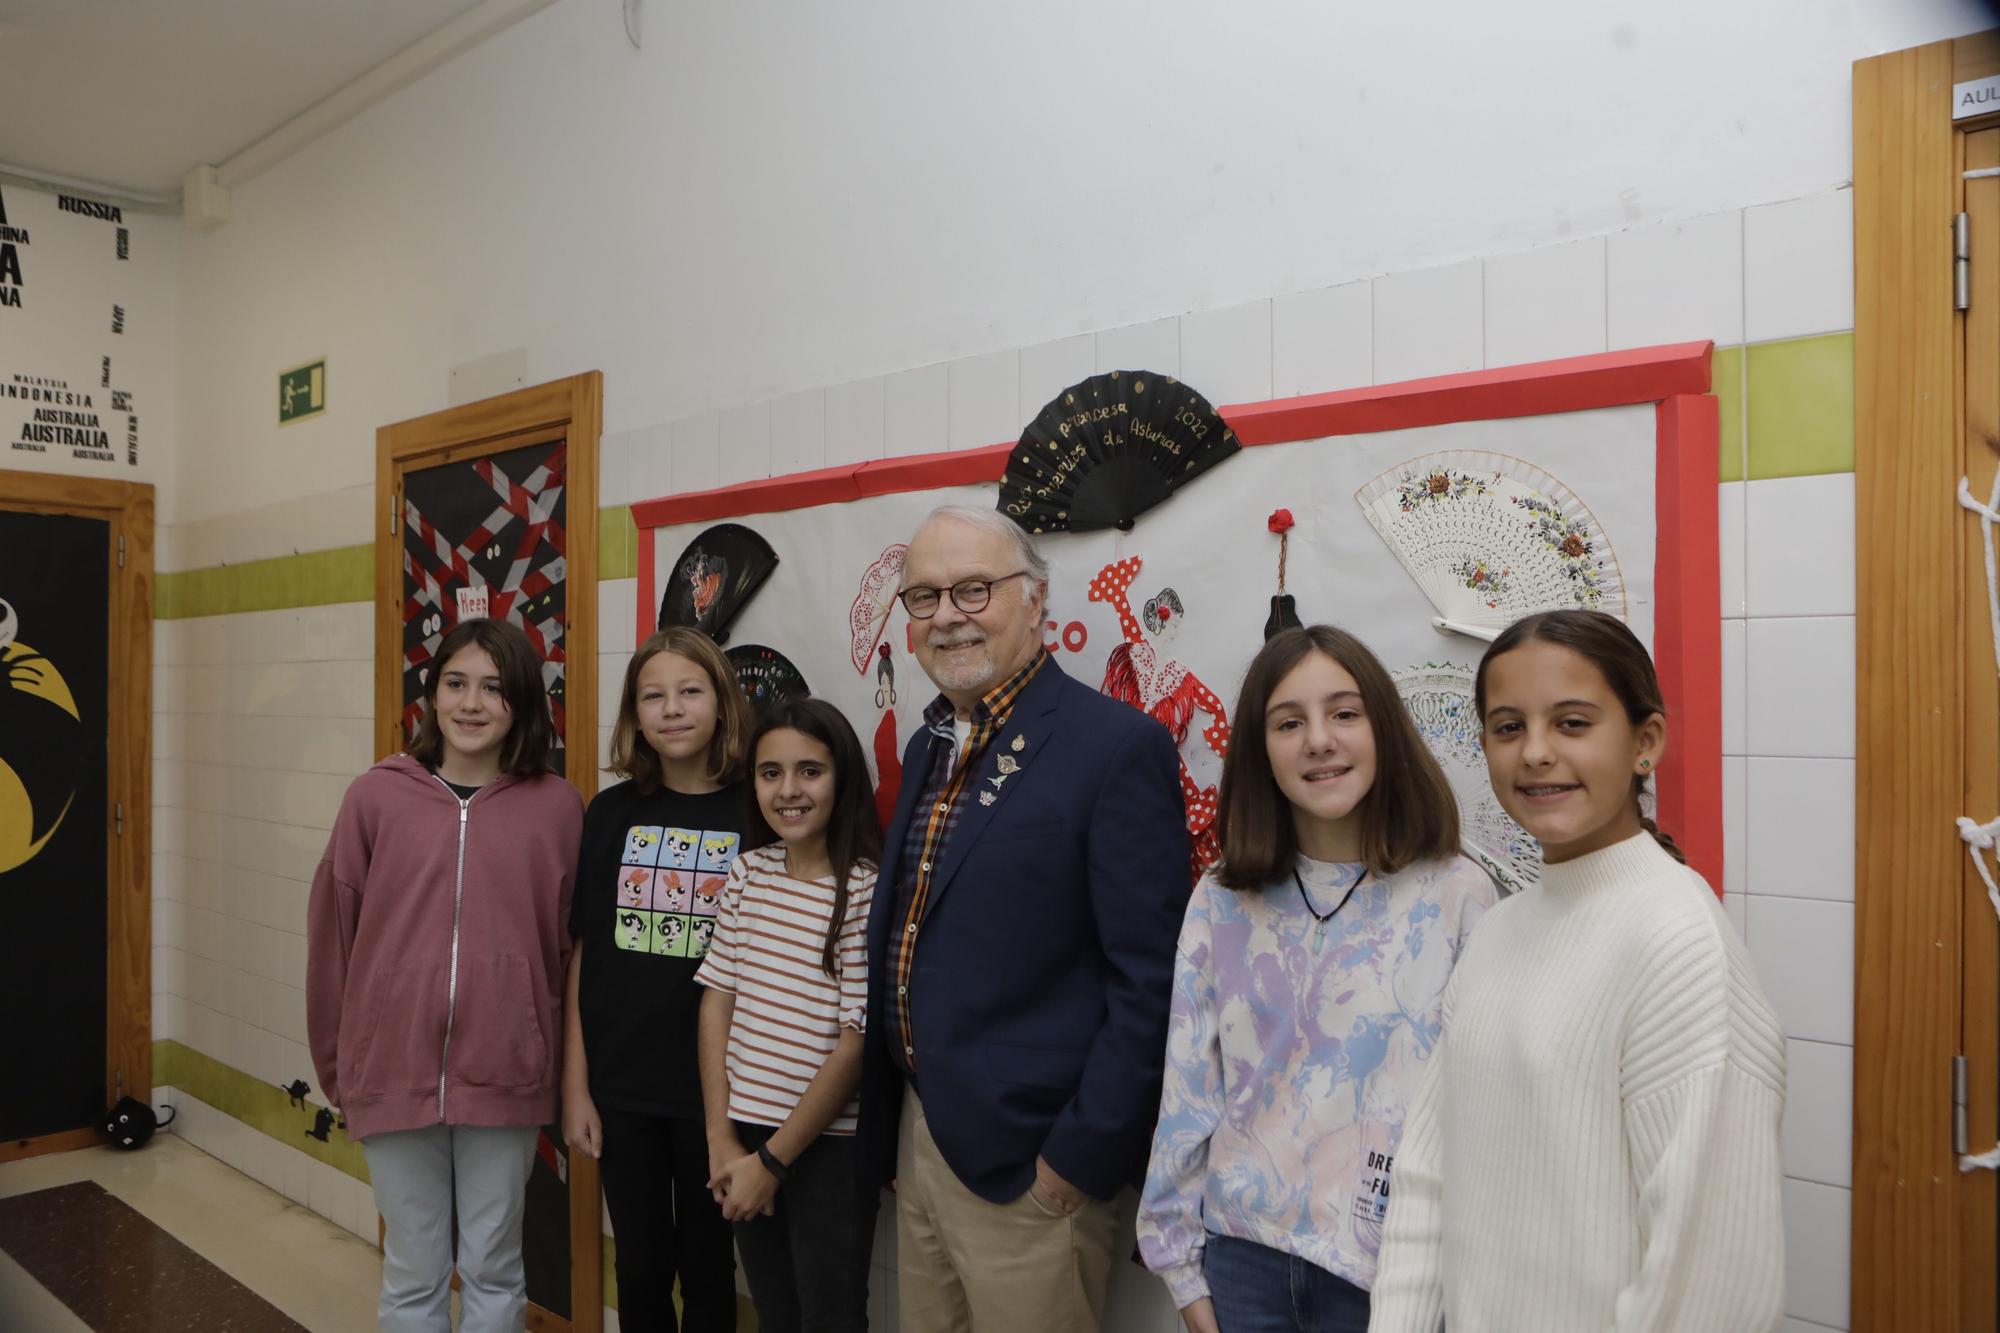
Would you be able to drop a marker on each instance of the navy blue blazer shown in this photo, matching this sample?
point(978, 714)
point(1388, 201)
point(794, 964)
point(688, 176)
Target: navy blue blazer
point(1045, 959)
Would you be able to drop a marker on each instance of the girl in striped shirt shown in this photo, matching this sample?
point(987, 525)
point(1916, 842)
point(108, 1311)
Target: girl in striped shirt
point(781, 1024)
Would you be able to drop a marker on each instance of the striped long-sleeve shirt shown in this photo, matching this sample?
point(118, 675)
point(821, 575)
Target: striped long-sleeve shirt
point(767, 951)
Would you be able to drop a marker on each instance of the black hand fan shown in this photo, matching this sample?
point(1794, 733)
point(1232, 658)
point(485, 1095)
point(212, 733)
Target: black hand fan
point(1108, 449)
point(715, 578)
point(766, 675)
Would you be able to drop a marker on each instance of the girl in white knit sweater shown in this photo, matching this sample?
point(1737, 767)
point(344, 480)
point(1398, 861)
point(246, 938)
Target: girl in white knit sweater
point(1595, 1142)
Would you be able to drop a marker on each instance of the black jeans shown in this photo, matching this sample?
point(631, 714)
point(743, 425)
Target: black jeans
point(666, 1223)
point(808, 1262)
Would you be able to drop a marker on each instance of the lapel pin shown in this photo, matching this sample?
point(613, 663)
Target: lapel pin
point(987, 798)
point(996, 781)
point(1009, 764)
point(1020, 744)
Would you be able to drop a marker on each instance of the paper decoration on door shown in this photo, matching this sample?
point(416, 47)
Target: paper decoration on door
point(1491, 538)
point(1107, 449)
point(766, 675)
point(1440, 701)
point(715, 578)
point(487, 538)
point(41, 739)
point(1143, 672)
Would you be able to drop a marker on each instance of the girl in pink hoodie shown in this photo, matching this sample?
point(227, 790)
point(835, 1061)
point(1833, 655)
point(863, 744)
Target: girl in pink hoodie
point(436, 947)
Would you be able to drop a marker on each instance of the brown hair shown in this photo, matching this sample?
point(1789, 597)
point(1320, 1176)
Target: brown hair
point(1608, 644)
point(531, 730)
point(1409, 815)
point(633, 756)
point(853, 829)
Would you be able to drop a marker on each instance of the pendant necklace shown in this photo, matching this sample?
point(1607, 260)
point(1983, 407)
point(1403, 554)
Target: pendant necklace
point(1319, 926)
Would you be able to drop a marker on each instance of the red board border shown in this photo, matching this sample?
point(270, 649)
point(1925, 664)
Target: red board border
point(1687, 572)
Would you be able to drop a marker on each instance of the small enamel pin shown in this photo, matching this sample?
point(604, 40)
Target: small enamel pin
point(996, 781)
point(1009, 765)
point(1020, 744)
point(987, 798)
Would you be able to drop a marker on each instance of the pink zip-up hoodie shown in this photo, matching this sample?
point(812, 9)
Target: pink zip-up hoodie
point(437, 939)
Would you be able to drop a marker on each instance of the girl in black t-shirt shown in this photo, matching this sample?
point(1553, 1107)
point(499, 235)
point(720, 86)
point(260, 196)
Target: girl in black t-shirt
point(656, 852)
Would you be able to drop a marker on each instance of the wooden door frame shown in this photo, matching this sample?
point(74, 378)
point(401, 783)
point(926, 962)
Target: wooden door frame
point(1927, 725)
point(128, 975)
point(571, 408)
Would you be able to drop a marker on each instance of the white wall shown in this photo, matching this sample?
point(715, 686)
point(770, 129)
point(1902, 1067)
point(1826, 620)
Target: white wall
point(71, 277)
point(772, 198)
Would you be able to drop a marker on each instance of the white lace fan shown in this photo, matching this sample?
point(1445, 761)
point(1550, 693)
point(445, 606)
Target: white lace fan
point(1490, 539)
point(1439, 700)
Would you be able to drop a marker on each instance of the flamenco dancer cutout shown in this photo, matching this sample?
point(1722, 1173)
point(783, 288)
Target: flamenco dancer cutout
point(868, 623)
point(1143, 672)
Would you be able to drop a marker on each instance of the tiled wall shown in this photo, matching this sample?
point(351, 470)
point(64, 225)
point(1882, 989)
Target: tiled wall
point(241, 820)
point(260, 721)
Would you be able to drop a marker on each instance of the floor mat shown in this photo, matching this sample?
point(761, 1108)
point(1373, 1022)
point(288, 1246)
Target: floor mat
point(119, 1272)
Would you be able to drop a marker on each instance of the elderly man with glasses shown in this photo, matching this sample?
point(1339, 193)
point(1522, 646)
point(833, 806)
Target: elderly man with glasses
point(1020, 953)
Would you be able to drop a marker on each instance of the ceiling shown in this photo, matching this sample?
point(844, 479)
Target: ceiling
point(133, 93)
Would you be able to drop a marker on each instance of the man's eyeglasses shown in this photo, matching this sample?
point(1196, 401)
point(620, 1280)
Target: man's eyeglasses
point(969, 596)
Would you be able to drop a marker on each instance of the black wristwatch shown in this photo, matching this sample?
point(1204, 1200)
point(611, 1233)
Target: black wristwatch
point(778, 1169)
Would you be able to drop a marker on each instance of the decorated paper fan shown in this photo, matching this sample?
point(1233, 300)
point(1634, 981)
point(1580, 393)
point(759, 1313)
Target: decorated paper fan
point(1439, 700)
point(766, 675)
point(1106, 450)
point(869, 615)
point(715, 578)
point(1489, 539)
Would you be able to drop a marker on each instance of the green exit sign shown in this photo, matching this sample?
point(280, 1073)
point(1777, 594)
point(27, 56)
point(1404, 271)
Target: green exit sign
point(302, 392)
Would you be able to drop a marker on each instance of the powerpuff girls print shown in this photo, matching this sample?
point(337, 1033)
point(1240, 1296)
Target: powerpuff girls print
point(668, 888)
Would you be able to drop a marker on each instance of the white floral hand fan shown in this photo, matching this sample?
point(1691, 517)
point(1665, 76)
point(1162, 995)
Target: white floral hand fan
point(1439, 700)
point(1489, 539)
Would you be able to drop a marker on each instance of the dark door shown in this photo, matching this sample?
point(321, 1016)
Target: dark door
point(55, 574)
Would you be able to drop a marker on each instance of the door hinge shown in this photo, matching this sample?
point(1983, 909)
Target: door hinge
point(1961, 262)
point(118, 812)
point(121, 550)
point(395, 503)
point(1960, 1138)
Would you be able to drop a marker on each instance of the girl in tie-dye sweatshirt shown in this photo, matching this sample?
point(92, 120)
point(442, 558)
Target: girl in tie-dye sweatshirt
point(1308, 991)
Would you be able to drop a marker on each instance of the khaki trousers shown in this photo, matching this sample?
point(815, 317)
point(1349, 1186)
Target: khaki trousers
point(969, 1266)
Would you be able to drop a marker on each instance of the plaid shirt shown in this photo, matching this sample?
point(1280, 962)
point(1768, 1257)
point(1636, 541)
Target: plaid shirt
point(943, 796)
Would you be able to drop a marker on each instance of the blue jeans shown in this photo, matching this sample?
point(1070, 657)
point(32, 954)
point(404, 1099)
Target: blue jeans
point(1257, 1289)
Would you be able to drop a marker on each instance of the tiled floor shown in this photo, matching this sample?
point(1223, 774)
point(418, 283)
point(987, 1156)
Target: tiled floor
point(314, 1272)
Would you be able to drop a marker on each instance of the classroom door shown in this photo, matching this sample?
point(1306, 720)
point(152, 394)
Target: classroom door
point(55, 572)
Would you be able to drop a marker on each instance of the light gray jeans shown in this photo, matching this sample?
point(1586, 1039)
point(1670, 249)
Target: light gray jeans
point(418, 1173)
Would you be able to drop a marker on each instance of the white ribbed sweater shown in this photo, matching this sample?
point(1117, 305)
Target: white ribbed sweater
point(1594, 1145)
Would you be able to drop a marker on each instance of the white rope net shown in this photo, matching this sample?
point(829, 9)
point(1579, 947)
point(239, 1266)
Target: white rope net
point(1980, 839)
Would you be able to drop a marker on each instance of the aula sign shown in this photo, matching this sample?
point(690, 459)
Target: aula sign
point(1976, 97)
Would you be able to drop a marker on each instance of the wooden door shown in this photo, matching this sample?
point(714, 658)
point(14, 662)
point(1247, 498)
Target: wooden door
point(75, 805)
point(1927, 940)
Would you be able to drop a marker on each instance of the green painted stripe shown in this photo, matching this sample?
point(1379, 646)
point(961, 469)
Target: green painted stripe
point(265, 1107)
point(1727, 379)
point(617, 544)
point(344, 574)
point(1801, 406)
point(317, 578)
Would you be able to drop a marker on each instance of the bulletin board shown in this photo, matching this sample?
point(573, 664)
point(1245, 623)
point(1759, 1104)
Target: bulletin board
point(1619, 448)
